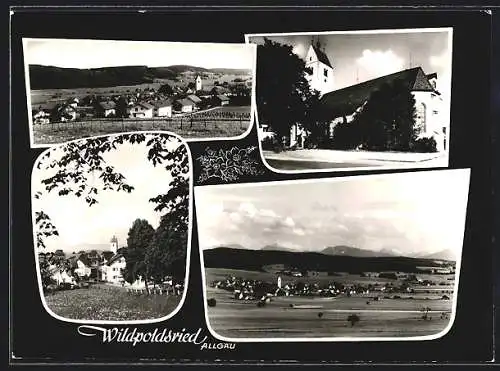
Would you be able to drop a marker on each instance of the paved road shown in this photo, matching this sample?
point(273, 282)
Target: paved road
point(308, 165)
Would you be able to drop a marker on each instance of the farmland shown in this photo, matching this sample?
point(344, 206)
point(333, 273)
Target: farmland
point(314, 316)
point(109, 303)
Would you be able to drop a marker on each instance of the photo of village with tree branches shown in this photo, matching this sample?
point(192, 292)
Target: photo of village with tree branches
point(351, 100)
point(111, 220)
point(84, 88)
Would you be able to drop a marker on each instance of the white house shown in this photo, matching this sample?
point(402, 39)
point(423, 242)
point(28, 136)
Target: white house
point(184, 105)
point(61, 275)
point(195, 99)
point(82, 269)
point(163, 108)
point(112, 272)
point(321, 77)
point(141, 110)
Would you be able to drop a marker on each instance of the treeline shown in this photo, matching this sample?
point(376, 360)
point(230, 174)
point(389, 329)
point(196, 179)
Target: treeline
point(48, 77)
point(156, 255)
point(308, 261)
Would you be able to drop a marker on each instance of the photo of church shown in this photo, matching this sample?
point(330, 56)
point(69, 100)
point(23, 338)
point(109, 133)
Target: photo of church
point(363, 99)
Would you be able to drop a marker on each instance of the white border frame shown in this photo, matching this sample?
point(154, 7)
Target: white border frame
point(357, 32)
point(466, 174)
point(253, 109)
point(188, 247)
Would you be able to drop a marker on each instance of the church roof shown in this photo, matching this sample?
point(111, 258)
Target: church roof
point(345, 101)
point(114, 239)
point(322, 57)
point(115, 258)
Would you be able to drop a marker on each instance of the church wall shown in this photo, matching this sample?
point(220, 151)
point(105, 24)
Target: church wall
point(433, 117)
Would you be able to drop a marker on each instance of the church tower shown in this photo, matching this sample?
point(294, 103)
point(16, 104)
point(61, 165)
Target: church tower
point(321, 77)
point(114, 245)
point(198, 83)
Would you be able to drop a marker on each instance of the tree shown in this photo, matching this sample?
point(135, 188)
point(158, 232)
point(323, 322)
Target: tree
point(138, 240)
point(166, 89)
point(353, 319)
point(121, 107)
point(282, 89)
point(191, 85)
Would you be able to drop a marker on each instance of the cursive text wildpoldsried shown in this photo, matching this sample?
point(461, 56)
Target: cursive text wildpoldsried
point(134, 336)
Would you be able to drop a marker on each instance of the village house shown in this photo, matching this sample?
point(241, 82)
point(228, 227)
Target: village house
point(112, 272)
point(221, 100)
point(184, 105)
point(107, 108)
point(163, 108)
point(195, 99)
point(141, 110)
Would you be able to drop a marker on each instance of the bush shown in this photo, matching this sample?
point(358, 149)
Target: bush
point(271, 144)
point(353, 319)
point(212, 302)
point(425, 145)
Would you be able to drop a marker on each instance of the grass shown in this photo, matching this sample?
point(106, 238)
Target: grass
point(109, 303)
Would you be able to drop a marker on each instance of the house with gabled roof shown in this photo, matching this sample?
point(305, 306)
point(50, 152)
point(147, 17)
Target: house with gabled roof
point(107, 108)
point(184, 105)
point(195, 99)
point(163, 108)
point(141, 110)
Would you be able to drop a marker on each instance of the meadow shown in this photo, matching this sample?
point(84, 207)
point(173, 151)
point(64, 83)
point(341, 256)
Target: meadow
point(199, 125)
point(313, 317)
point(109, 303)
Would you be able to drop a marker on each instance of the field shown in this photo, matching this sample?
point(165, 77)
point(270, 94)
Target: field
point(277, 319)
point(105, 302)
point(225, 121)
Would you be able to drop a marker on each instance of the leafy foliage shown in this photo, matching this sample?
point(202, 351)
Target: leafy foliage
point(139, 237)
point(81, 171)
point(282, 90)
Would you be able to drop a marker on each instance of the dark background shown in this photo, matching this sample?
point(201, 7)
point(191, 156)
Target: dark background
point(38, 337)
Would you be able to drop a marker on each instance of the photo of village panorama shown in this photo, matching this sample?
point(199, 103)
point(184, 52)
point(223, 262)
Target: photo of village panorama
point(83, 88)
point(111, 221)
point(359, 99)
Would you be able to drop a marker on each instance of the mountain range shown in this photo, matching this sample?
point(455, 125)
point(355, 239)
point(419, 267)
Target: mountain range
point(51, 77)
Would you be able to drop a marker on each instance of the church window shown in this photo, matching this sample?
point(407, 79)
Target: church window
point(420, 121)
point(325, 72)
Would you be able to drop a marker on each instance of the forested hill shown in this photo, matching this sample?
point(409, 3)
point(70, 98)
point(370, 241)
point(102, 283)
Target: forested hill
point(50, 77)
point(223, 257)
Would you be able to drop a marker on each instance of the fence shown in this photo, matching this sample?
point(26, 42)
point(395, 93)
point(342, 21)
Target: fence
point(197, 122)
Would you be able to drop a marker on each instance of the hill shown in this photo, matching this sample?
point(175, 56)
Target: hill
point(446, 254)
point(228, 258)
point(353, 251)
point(275, 247)
point(50, 77)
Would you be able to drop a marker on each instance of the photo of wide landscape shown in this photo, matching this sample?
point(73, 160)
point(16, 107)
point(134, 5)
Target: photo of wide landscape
point(352, 259)
point(82, 88)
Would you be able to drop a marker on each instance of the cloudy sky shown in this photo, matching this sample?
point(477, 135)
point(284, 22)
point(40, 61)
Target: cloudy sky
point(363, 56)
point(78, 224)
point(106, 53)
point(422, 212)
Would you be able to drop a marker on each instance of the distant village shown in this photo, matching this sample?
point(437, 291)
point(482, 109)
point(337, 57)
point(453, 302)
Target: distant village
point(165, 102)
point(82, 267)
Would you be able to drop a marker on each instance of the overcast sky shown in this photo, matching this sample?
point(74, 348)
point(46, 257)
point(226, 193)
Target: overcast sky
point(79, 224)
point(107, 53)
point(361, 56)
point(421, 212)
